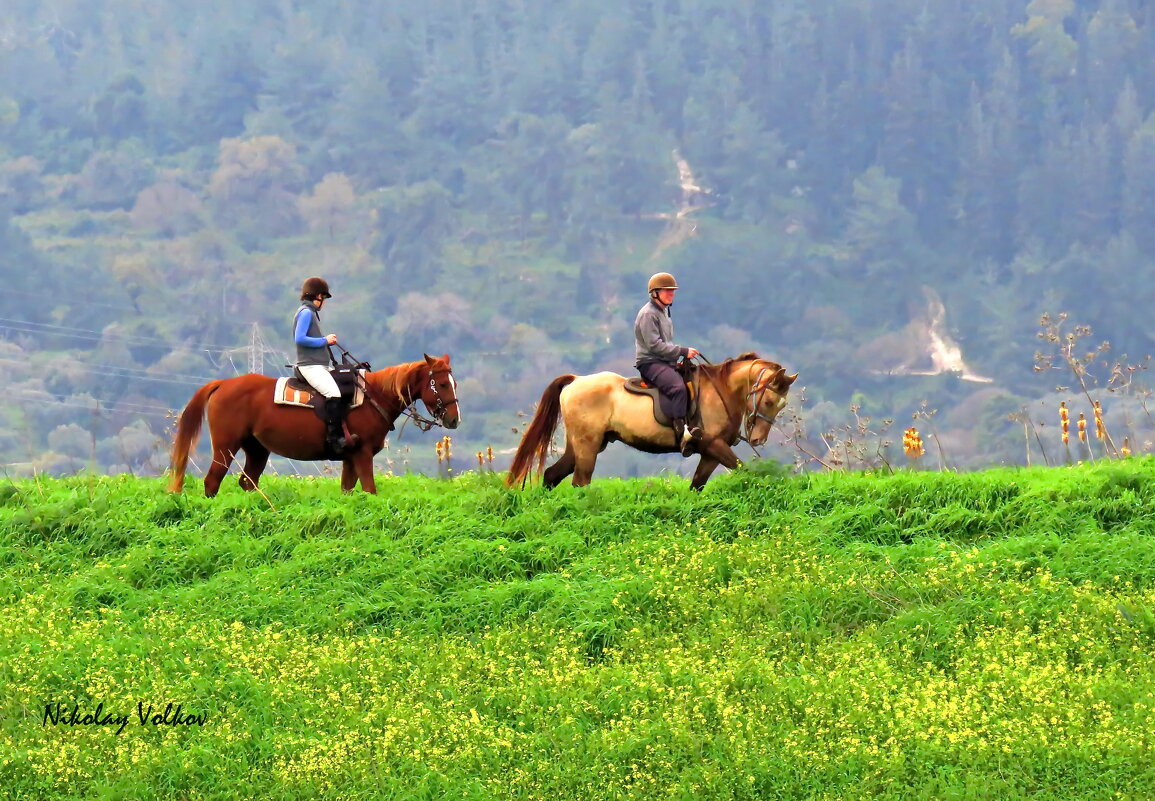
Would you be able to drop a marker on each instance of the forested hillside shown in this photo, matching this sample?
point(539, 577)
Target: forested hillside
point(844, 186)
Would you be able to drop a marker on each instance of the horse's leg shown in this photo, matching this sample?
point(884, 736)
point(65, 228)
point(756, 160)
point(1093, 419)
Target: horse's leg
point(348, 475)
point(718, 452)
point(705, 467)
point(585, 456)
point(256, 458)
point(222, 457)
point(363, 469)
point(560, 469)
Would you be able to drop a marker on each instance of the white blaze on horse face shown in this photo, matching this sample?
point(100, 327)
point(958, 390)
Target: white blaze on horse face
point(453, 385)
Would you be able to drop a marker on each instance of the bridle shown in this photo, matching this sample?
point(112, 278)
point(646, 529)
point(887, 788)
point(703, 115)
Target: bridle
point(409, 407)
point(439, 409)
point(753, 412)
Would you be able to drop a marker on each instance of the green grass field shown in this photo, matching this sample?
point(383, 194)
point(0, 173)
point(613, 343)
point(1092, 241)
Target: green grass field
point(919, 635)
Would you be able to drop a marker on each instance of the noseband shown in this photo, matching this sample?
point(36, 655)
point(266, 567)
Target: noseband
point(754, 410)
point(442, 407)
point(439, 409)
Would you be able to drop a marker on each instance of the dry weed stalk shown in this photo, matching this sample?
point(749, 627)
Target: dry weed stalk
point(1065, 344)
point(925, 413)
point(1024, 417)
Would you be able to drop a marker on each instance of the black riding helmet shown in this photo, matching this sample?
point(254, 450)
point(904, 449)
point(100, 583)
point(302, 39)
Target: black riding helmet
point(314, 288)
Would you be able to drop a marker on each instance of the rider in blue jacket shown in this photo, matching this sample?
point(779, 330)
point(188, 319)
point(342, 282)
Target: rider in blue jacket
point(313, 360)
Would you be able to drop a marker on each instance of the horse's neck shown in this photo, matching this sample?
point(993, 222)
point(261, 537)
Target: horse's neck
point(397, 383)
point(731, 382)
point(733, 385)
point(745, 377)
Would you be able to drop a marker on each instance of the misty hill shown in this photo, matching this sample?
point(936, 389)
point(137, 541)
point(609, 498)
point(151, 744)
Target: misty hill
point(883, 196)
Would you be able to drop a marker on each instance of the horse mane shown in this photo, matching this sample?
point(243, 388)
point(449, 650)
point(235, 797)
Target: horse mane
point(724, 368)
point(394, 380)
point(401, 375)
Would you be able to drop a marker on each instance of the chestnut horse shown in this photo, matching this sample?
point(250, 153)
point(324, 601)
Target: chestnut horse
point(739, 400)
point(243, 417)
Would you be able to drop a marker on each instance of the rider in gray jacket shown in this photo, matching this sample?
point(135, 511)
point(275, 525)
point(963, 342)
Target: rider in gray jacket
point(657, 357)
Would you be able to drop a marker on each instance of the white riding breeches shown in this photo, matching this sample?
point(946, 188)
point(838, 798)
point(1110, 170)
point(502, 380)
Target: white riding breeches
point(318, 377)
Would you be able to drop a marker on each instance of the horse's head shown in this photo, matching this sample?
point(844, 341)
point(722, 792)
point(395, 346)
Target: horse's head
point(766, 399)
point(439, 391)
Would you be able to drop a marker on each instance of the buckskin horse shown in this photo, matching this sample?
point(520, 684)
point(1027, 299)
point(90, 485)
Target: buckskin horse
point(243, 417)
point(739, 399)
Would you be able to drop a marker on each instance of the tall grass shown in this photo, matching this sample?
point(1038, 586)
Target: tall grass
point(919, 635)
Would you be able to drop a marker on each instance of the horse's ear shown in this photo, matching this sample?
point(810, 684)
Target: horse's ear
point(790, 379)
point(428, 359)
point(446, 357)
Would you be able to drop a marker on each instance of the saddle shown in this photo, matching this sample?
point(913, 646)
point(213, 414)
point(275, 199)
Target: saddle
point(296, 391)
point(638, 386)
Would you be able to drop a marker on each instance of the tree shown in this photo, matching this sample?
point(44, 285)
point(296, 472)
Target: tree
point(122, 111)
point(986, 198)
point(22, 181)
point(223, 89)
point(522, 172)
point(300, 81)
point(365, 135)
point(413, 224)
point(752, 175)
point(328, 210)
point(1112, 36)
point(430, 323)
point(1052, 50)
point(1139, 187)
point(111, 179)
point(253, 186)
point(167, 208)
point(880, 229)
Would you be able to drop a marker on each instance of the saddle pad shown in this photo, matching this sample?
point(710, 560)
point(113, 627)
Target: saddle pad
point(291, 392)
point(639, 386)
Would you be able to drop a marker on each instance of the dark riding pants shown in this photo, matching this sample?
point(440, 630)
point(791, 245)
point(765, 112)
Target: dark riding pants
point(675, 398)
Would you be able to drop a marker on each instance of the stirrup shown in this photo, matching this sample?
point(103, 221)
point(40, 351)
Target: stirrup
point(339, 447)
point(690, 439)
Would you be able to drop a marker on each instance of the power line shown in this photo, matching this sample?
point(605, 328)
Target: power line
point(107, 405)
point(130, 372)
point(33, 327)
point(111, 408)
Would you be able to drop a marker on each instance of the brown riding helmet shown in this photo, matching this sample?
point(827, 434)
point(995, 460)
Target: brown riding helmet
point(314, 288)
point(662, 281)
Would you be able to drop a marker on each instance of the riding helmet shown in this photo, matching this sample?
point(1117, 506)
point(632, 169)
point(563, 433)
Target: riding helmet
point(662, 281)
point(314, 288)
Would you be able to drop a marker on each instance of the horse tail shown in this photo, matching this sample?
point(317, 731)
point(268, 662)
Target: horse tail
point(188, 429)
point(538, 436)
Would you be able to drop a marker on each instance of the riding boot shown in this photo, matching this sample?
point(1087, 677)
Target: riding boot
point(692, 438)
point(679, 424)
point(335, 441)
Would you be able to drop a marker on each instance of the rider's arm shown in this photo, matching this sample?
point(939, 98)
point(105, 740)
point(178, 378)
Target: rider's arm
point(301, 332)
point(650, 336)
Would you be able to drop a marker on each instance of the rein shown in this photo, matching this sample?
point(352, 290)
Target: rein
point(410, 412)
point(424, 423)
point(748, 416)
point(409, 407)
